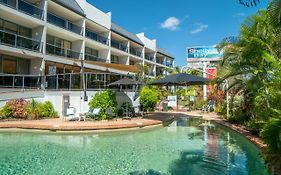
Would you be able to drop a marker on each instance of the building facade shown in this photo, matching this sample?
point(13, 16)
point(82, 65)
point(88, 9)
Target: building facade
point(51, 37)
point(46, 44)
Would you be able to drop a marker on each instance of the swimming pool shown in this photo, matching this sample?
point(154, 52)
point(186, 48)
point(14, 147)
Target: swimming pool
point(186, 146)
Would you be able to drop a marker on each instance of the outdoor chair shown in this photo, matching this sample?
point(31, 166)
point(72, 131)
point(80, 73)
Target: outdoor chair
point(210, 107)
point(70, 114)
point(94, 113)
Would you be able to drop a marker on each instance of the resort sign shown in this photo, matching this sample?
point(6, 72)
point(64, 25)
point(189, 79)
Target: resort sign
point(198, 54)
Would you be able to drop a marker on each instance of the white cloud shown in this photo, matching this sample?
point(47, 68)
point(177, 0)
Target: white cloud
point(200, 28)
point(171, 23)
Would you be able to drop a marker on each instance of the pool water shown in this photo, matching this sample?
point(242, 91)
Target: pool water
point(185, 147)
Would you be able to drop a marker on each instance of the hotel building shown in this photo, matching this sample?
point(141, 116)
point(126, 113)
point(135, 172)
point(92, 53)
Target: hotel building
point(45, 43)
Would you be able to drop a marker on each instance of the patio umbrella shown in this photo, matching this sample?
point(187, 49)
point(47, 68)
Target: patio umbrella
point(181, 79)
point(125, 81)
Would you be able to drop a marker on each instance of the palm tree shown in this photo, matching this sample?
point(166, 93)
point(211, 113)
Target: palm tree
point(249, 3)
point(246, 63)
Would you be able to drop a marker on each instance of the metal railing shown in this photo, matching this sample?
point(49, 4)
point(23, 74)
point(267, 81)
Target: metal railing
point(94, 36)
point(68, 81)
point(64, 52)
point(63, 23)
point(134, 51)
point(17, 41)
point(149, 57)
point(119, 46)
point(24, 7)
point(20, 81)
point(94, 58)
point(160, 61)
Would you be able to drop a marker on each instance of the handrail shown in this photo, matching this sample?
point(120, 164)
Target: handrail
point(94, 58)
point(98, 38)
point(118, 45)
point(63, 51)
point(135, 52)
point(15, 42)
point(65, 23)
point(21, 8)
point(148, 57)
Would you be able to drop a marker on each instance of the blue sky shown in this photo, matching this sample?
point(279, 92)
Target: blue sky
point(178, 24)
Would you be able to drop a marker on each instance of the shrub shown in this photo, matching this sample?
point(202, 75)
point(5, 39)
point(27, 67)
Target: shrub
point(148, 98)
point(271, 134)
point(124, 106)
point(18, 108)
point(104, 100)
point(6, 112)
point(23, 109)
point(46, 110)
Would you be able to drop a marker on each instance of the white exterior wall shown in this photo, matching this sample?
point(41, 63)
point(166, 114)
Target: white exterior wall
point(148, 43)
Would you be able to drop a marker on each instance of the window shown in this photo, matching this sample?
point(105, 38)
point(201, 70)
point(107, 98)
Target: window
point(23, 31)
point(10, 66)
point(114, 59)
point(14, 65)
point(10, 27)
point(15, 28)
point(90, 51)
point(58, 42)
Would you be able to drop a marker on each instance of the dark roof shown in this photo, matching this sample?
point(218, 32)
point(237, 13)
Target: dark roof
point(71, 5)
point(123, 32)
point(164, 52)
point(181, 79)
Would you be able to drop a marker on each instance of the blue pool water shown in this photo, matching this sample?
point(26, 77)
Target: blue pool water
point(185, 147)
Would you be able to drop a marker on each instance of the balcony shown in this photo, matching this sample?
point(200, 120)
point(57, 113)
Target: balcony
point(63, 23)
point(21, 42)
point(96, 37)
point(24, 7)
point(119, 46)
point(64, 52)
point(20, 81)
point(149, 57)
point(94, 58)
point(159, 61)
point(135, 52)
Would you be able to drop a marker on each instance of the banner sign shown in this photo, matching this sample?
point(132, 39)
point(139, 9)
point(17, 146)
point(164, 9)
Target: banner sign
point(195, 54)
point(172, 101)
point(212, 72)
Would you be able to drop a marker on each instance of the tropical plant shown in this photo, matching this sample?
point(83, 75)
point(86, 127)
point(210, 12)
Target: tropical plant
point(271, 134)
point(6, 112)
point(105, 100)
point(32, 109)
point(252, 66)
point(148, 98)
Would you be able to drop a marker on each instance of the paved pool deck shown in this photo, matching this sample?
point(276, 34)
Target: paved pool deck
point(59, 124)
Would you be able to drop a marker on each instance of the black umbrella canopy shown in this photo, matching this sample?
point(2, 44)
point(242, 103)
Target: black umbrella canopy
point(181, 79)
point(125, 81)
